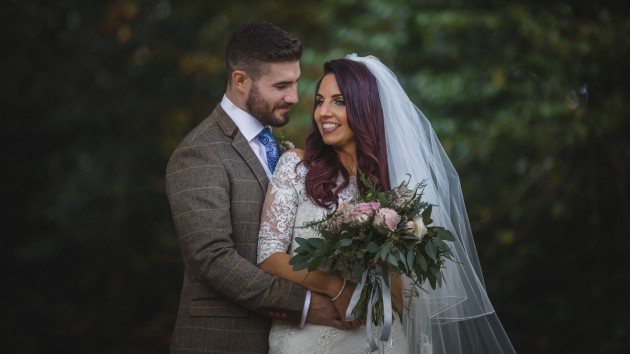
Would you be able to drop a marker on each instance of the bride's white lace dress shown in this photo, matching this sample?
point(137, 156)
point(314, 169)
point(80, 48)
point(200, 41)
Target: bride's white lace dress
point(284, 213)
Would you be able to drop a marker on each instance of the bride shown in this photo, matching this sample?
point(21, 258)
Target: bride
point(363, 120)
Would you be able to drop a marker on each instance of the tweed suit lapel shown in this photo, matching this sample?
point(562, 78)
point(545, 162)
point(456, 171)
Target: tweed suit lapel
point(240, 144)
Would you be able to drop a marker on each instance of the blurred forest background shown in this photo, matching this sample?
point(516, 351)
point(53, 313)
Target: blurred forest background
point(529, 99)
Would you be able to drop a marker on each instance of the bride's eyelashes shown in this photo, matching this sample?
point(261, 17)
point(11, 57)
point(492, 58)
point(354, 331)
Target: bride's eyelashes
point(337, 101)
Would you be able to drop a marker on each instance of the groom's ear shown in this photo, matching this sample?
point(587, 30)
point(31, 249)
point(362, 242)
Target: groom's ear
point(242, 82)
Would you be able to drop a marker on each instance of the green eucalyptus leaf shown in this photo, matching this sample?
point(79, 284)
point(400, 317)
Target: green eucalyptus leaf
point(344, 242)
point(384, 251)
point(432, 280)
point(357, 270)
point(372, 247)
point(411, 259)
point(315, 242)
point(443, 246)
point(422, 262)
point(431, 250)
point(392, 261)
point(410, 237)
point(385, 274)
point(303, 244)
point(426, 215)
point(446, 235)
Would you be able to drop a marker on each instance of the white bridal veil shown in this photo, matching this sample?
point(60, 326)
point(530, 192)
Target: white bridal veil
point(458, 316)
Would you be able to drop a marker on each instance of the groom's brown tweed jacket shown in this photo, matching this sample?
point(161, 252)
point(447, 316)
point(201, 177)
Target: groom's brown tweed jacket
point(216, 188)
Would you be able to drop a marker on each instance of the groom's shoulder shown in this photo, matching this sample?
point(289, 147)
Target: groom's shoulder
point(207, 131)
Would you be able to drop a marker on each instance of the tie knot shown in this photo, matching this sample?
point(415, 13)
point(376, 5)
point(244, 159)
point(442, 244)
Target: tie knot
point(265, 136)
point(271, 148)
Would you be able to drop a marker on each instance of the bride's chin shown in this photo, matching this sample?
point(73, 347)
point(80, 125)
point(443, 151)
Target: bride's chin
point(329, 142)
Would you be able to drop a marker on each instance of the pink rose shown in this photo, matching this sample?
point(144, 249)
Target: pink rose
point(367, 208)
point(387, 218)
point(362, 212)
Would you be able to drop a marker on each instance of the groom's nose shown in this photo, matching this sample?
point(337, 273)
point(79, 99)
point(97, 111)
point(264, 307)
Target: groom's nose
point(292, 95)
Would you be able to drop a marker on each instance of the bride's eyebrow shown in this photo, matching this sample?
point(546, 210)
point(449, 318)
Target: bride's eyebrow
point(337, 95)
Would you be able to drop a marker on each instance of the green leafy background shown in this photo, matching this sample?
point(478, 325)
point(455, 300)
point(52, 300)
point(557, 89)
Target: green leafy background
point(528, 98)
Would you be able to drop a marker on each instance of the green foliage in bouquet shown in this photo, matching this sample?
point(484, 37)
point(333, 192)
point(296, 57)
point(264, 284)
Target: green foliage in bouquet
point(384, 230)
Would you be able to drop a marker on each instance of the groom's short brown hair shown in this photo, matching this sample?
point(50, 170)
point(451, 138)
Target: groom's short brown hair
point(255, 43)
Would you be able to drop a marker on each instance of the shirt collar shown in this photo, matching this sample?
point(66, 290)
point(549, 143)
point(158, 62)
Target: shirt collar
point(247, 124)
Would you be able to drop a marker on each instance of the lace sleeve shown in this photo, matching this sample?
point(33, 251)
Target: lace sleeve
point(281, 202)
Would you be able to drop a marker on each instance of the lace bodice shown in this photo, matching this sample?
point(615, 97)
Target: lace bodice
point(288, 207)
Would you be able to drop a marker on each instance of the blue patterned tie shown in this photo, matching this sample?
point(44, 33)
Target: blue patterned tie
point(267, 139)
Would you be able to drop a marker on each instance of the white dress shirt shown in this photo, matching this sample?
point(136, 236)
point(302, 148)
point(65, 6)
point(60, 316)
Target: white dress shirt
point(250, 127)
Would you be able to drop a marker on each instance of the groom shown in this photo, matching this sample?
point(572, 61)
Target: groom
point(216, 181)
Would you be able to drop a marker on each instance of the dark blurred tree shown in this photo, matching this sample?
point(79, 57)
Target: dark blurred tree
point(92, 259)
point(528, 99)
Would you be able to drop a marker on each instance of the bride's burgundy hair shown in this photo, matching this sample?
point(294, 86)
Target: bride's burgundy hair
point(365, 117)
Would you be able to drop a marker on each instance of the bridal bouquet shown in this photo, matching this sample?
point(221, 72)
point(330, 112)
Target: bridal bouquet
point(378, 233)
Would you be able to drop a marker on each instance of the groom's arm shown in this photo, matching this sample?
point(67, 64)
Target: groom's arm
point(199, 191)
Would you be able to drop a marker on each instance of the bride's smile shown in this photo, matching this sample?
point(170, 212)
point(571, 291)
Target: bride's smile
point(330, 127)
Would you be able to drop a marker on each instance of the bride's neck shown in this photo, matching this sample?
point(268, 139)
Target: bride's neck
point(349, 161)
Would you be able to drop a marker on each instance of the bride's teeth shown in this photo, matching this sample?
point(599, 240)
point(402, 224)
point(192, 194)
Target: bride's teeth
point(329, 126)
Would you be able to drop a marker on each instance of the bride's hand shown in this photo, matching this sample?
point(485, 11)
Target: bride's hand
point(342, 302)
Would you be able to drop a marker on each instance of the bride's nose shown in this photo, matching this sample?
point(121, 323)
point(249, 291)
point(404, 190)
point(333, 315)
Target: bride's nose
point(324, 109)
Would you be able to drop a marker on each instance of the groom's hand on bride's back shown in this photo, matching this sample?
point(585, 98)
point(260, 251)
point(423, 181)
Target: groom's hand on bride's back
point(322, 311)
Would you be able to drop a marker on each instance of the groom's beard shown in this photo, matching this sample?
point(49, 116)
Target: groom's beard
point(262, 110)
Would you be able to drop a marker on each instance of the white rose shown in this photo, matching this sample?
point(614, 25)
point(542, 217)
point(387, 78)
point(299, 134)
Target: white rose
point(361, 219)
point(419, 228)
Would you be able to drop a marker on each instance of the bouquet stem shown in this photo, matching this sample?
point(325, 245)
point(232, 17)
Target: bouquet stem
point(372, 298)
